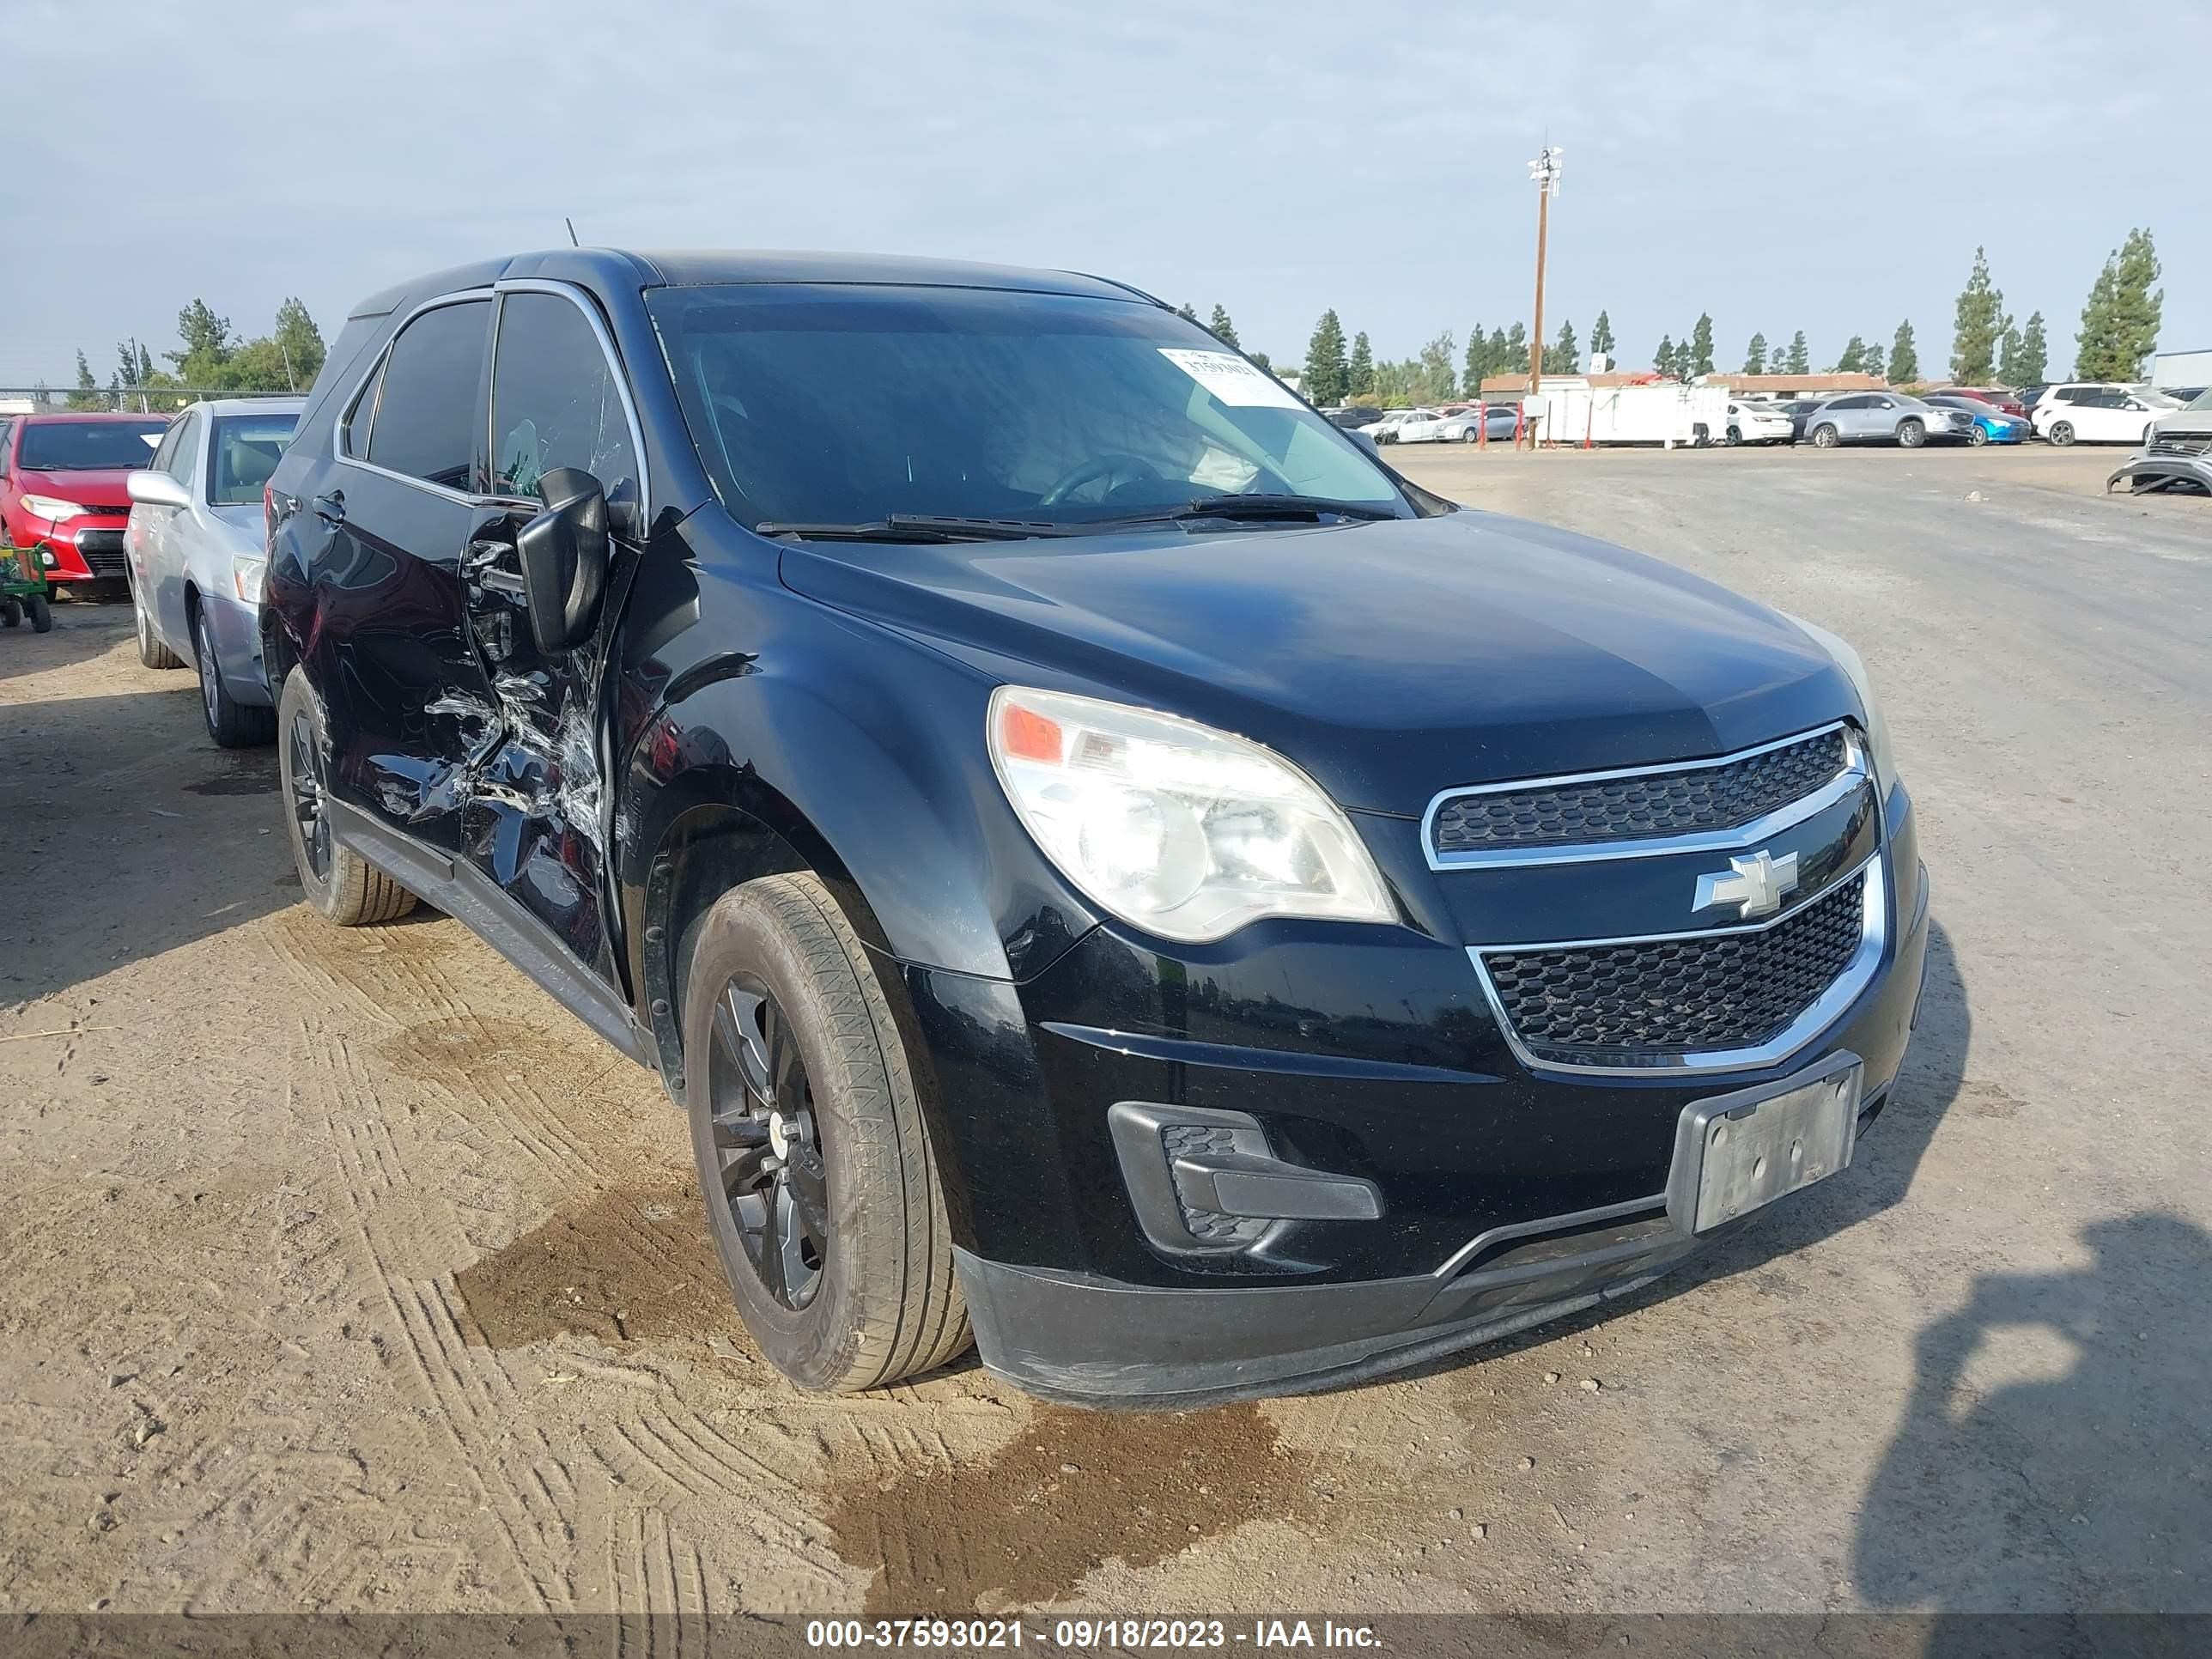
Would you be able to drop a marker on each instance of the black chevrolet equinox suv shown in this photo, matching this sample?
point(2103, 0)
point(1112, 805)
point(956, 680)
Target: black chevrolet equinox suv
point(1111, 871)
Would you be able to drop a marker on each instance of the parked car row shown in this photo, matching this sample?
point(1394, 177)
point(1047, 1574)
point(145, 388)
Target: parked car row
point(166, 512)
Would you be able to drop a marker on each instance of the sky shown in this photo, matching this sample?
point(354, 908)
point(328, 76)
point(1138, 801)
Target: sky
point(1779, 165)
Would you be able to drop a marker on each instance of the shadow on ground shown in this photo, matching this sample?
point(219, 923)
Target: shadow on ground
point(2003, 1490)
point(127, 833)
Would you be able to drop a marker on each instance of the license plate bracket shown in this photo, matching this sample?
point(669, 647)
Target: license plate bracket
point(1738, 1153)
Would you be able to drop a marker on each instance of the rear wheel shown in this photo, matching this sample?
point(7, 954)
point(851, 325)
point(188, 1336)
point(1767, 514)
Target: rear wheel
point(343, 886)
point(1910, 434)
point(1825, 437)
point(232, 723)
point(2062, 432)
point(821, 1182)
point(11, 613)
point(1735, 434)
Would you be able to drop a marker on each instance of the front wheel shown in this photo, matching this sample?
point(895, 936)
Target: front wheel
point(1825, 437)
point(41, 611)
point(1977, 435)
point(152, 653)
point(232, 723)
point(821, 1182)
point(2062, 432)
point(1471, 435)
point(1910, 434)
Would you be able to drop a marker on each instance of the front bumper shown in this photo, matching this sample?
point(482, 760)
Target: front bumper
point(237, 629)
point(2144, 472)
point(1508, 1195)
point(86, 551)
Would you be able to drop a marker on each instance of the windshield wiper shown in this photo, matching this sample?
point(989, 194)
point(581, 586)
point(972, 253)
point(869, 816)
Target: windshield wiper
point(921, 527)
point(1255, 506)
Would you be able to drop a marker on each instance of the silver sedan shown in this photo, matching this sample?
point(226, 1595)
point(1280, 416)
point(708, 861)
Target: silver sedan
point(195, 553)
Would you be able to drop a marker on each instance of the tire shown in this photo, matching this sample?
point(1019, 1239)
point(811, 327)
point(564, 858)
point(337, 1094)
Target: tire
point(1472, 435)
point(342, 886)
point(232, 723)
point(2062, 432)
point(11, 613)
point(860, 1292)
point(151, 652)
point(1825, 437)
point(1734, 436)
point(1910, 434)
point(1977, 434)
point(40, 609)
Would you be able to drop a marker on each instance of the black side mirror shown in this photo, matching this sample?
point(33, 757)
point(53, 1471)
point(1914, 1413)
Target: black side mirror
point(563, 553)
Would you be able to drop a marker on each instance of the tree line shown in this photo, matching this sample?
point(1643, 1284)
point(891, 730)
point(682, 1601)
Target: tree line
point(2118, 333)
point(208, 357)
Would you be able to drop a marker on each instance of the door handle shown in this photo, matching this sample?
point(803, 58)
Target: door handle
point(331, 508)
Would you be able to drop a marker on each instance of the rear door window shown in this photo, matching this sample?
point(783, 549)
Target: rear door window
point(556, 401)
point(427, 412)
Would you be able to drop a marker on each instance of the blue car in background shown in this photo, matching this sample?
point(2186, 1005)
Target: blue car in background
point(1991, 425)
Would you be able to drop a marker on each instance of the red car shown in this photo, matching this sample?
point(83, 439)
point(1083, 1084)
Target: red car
point(2003, 402)
point(62, 496)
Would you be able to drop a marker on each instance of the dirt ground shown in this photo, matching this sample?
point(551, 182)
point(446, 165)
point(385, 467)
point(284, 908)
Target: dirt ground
point(346, 1271)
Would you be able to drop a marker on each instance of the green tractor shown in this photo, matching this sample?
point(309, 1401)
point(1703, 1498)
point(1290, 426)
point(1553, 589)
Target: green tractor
point(24, 592)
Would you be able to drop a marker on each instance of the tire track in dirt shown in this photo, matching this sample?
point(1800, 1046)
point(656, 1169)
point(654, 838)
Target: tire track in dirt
point(451, 1392)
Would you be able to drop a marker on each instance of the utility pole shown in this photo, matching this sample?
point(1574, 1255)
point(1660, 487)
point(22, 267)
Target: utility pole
point(1545, 170)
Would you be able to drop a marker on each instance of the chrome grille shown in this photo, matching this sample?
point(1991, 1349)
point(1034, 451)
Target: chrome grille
point(1642, 806)
point(2181, 444)
point(1642, 1001)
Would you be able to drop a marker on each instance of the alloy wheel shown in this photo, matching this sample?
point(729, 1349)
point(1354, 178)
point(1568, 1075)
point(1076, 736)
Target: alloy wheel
point(309, 807)
point(211, 671)
point(768, 1142)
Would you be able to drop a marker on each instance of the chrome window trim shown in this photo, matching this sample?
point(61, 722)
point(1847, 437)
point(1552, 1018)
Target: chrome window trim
point(576, 297)
point(1824, 1010)
point(458, 296)
point(1857, 770)
point(567, 291)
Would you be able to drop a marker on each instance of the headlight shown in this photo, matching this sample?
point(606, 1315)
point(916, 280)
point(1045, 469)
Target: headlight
point(246, 579)
point(50, 506)
point(1877, 729)
point(1177, 828)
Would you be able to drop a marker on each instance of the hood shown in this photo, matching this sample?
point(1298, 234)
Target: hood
point(100, 487)
point(1391, 661)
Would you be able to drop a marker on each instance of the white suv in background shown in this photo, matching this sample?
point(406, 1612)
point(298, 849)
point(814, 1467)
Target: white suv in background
point(2098, 412)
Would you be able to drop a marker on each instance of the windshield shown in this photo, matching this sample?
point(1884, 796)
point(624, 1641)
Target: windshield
point(844, 404)
point(2157, 399)
point(2201, 400)
point(246, 449)
point(89, 446)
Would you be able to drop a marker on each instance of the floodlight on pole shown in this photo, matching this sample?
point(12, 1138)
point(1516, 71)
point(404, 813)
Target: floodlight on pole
point(1545, 172)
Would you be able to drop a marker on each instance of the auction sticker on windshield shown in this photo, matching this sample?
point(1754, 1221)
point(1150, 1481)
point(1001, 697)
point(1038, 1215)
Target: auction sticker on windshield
point(1233, 381)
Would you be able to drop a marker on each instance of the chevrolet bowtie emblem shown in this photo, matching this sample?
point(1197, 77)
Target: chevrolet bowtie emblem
point(1756, 885)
